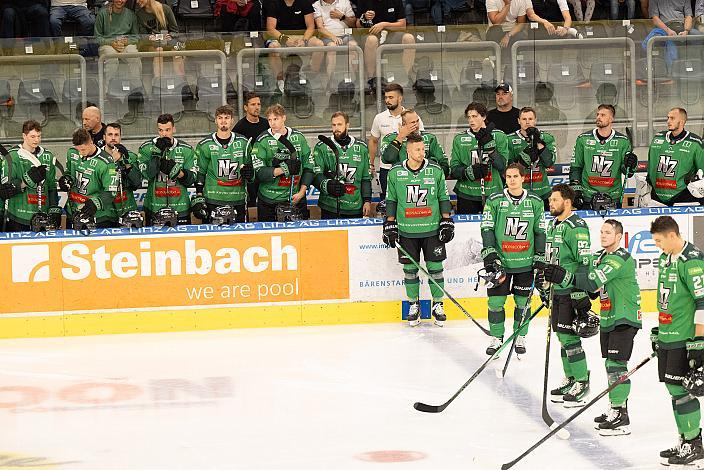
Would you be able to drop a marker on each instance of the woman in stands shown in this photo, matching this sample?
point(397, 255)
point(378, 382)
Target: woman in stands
point(156, 20)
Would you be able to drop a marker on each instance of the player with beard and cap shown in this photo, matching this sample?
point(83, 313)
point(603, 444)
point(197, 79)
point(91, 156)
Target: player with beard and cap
point(224, 167)
point(350, 182)
point(600, 159)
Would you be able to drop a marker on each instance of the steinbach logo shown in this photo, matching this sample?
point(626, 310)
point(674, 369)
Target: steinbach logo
point(30, 263)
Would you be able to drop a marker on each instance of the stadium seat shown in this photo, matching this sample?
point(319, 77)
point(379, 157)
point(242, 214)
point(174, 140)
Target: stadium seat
point(30, 94)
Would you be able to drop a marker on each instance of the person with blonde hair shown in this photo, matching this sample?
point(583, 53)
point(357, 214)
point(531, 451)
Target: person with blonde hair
point(157, 21)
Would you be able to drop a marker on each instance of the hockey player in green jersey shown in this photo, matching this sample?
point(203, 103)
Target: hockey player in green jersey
point(536, 151)
point(169, 166)
point(393, 145)
point(674, 157)
point(599, 160)
point(128, 170)
point(679, 337)
point(224, 168)
point(612, 274)
point(283, 177)
point(345, 189)
point(32, 166)
point(418, 219)
point(513, 235)
point(90, 181)
point(567, 254)
point(477, 161)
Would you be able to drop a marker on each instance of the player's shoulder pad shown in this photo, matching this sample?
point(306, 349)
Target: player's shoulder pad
point(691, 253)
point(397, 166)
point(181, 143)
point(619, 135)
point(694, 137)
point(622, 253)
point(146, 144)
point(265, 134)
point(498, 132)
point(575, 221)
point(204, 140)
point(104, 157)
point(660, 135)
point(239, 136)
point(361, 143)
point(535, 198)
point(586, 134)
point(432, 164)
point(496, 196)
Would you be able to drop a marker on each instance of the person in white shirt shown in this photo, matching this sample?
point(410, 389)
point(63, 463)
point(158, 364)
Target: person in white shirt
point(332, 19)
point(511, 14)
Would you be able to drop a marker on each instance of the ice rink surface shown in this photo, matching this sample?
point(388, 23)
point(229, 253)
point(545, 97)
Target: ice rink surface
point(334, 397)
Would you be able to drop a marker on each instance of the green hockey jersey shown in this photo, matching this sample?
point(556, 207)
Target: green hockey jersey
point(162, 190)
point(124, 200)
point(219, 169)
point(536, 179)
point(568, 244)
point(465, 153)
point(670, 163)
point(417, 198)
point(433, 150)
point(22, 206)
point(598, 166)
point(95, 178)
point(353, 171)
point(267, 152)
point(614, 276)
point(514, 229)
point(680, 294)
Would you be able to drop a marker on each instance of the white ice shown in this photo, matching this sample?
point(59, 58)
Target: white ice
point(333, 397)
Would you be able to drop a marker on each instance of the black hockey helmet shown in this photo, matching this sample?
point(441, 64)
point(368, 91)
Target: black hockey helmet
point(586, 324)
point(41, 222)
point(165, 217)
point(223, 215)
point(602, 202)
point(287, 213)
point(80, 221)
point(131, 219)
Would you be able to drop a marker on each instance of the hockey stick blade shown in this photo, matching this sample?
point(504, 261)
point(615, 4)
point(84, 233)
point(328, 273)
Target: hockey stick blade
point(560, 427)
point(425, 408)
point(328, 141)
point(629, 134)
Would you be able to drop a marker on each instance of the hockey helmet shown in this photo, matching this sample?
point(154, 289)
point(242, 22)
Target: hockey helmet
point(493, 276)
point(223, 215)
point(693, 381)
point(80, 221)
point(41, 222)
point(165, 217)
point(287, 213)
point(602, 202)
point(381, 209)
point(695, 184)
point(586, 325)
point(132, 219)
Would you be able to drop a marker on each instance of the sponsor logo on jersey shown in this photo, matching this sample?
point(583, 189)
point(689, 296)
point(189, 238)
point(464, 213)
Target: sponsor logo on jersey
point(664, 318)
point(173, 191)
point(665, 183)
point(591, 142)
point(401, 173)
point(605, 305)
point(428, 181)
point(465, 139)
point(694, 271)
point(600, 181)
point(533, 177)
point(514, 247)
point(503, 204)
point(658, 141)
point(416, 212)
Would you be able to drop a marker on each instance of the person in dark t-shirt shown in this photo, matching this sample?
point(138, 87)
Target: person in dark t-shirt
point(505, 115)
point(250, 126)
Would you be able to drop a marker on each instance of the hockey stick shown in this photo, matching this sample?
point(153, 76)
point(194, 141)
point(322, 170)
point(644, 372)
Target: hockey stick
point(629, 134)
point(557, 429)
point(425, 408)
point(452, 299)
point(520, 325)
point(8, 161)
point(327, 141)
point(294, 155)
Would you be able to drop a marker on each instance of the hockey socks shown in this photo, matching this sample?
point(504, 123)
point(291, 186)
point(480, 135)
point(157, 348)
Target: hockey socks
point(412, 282)
point(518, 312)
point(497, 315)
point(574, 361)
point(686, 410)
point(614, 370)
point(435, 271)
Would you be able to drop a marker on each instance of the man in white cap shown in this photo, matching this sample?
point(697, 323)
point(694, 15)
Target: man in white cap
point(505, 115)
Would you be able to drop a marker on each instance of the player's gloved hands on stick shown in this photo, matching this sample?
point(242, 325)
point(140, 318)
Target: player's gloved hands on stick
point(169, 167)
point(582, 305)
point(477, 171)
point(390, 235)
point(290, 166)
point(65, 183)
point(484, 137)
point(556, 274)
point(37, 174)
point(578, 202)
point(447, 230)
point(695, 352)
point(654, 338)
point(335, 188)
point(247, 171)
point(89, 208)
point(7, 190)
point(55, 216)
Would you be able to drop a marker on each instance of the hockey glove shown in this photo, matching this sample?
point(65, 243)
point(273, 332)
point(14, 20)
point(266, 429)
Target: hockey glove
point(539, 262)
point(290, 166)
point(163, 144)
point(695, 352)
point(169, 167)
point(65, 183)
point(490, 257)
point(582, 305)
point(7, 190)
point(630, 162)
point(199, 208)
point(89, 208)
point(447, 230)
point(55, 216)
point(124, 153)
point(534, 133)
point(654, 332)
point(247, 171)
point(477, 171)
point(578, 202)
point(334, 188)
point(35, 175)
point(390, 235)
point(484, 138)
point(556, 274)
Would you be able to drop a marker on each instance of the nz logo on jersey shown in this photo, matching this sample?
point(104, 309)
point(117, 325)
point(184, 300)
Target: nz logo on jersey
point(667, 166)
point(516, 228)
point(416, 195)
point(663, 296)
point(348, 172)
point(228, 169)
point(601, 165)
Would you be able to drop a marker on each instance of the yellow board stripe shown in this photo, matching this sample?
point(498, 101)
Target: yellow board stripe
point(241, 317)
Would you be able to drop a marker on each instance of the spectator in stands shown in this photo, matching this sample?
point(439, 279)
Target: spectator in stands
point(387, 25)
point(511, 14)
point(157, 26)
point(671, 18)
point(116, 29)
point(411, 7)
point(505, 115)
point(616, 6)
point(332, 18)
point(92, 122)
point(585, 15)
point(547, 12)
point(251, 126)
point(29, 18)
point(239, 15)
point(290, 15)
point(72, 10)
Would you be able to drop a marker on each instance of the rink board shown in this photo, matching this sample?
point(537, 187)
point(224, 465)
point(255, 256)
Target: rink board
point(250, 275)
